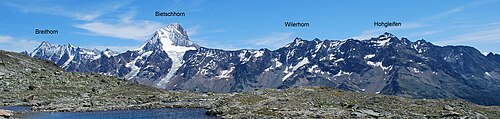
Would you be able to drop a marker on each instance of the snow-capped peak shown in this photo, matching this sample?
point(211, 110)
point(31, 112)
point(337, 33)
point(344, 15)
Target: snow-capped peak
point(296, 42)
point(386, 35)
point(45, 44)
point(176, 35)
point(488, 54)
point(47, 48)
point(108, 53)
point(171, 38)
point(383, 40)
point(42, 47)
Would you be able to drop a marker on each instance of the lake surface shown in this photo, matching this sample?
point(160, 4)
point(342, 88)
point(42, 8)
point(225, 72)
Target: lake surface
point(162, 113)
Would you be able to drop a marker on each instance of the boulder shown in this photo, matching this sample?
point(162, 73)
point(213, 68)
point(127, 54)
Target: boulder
point(31, 87)
point(58, 73)
point(448, 107)
point(214, 112)
point(6, 113)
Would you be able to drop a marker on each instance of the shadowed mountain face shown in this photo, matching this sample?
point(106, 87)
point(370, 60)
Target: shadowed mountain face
point(384, 64)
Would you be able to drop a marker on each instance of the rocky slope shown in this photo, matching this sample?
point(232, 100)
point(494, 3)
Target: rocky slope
point(325, 102)
point(27, 81)
point(385, 64)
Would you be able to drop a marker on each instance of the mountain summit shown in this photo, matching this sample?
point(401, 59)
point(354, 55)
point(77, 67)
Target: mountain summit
point(174, 41)
point(380, 65)
point(171, 38)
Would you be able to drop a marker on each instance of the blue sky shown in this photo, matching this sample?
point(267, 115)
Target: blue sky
point(230, 24)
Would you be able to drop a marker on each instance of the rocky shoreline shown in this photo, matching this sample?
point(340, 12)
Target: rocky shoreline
point(194, 101)
point(304, 102)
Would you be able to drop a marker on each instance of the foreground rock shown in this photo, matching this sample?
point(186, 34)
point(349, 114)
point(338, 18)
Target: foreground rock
point(320, 102)
point(6, 113)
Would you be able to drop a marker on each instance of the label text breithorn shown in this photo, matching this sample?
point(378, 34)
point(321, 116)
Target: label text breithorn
point(46, 31)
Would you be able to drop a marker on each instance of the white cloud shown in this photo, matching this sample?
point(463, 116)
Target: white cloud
point(187, 5)
point(426, 33)
point(272, 41)
point(139, 30)
point(423, 34)
point(125, 28)
point(457, 9)
point(87, 17)
point(445, 13)
point(192, 31)
point(218, 31)
point(127, 17)
point(5, 39)
point(420, 24)
point(18, 45)
point(82, 12)
point(114, 48)
point(485, 36)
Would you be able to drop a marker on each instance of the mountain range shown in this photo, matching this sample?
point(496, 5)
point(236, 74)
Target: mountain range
point(384, 64)
point(44, 87)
